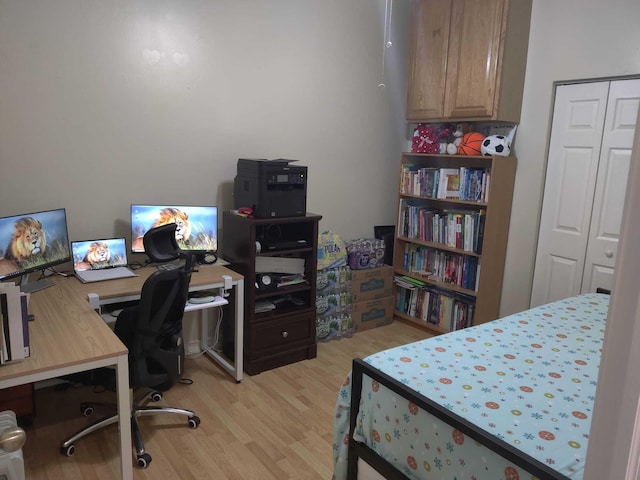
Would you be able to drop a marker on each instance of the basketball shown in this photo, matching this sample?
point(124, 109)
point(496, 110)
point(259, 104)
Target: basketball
point(471, 144)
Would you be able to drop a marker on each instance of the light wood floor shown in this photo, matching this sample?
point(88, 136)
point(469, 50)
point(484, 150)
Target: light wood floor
point(273, 426)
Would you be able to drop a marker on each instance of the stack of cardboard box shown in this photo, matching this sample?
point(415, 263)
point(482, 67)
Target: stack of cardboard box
point(372, 297)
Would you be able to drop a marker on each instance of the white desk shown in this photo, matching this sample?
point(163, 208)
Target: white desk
point(67, 336)
point(207, 277)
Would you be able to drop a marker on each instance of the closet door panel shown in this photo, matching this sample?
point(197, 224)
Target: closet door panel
point(572, 167)
point(613, 171)
point(561, 274)
point(597, 276)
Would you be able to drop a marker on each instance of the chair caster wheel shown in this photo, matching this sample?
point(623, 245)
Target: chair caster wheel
point(86, 409)
point(144, 460)
point(68, 451)
point(156, 396)
point(194, 422)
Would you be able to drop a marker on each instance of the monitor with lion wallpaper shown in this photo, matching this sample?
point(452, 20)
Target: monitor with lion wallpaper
point(197, 226)
point(32, 242)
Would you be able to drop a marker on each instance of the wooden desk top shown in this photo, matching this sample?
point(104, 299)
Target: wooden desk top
point(123, 287)
point(66, 331)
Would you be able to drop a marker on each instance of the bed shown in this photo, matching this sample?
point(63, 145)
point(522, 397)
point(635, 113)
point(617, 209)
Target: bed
point(506, 400)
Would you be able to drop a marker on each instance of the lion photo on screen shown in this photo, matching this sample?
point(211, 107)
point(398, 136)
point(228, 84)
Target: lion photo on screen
point(28, 239)
point(98, 252)
point(166, 216)
point(181, 219)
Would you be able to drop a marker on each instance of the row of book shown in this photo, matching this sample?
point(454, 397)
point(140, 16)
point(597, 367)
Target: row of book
point(15, 323)
point(447, 310)
point(469, 184)
point(447, 267)
point(462, 229)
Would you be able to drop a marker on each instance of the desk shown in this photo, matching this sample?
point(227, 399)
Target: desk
point(207, 277)
point(67, 336)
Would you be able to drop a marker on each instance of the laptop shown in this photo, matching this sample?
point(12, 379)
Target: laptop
point(97, 260)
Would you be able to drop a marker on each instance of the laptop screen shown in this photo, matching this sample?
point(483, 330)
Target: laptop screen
point(99, 254)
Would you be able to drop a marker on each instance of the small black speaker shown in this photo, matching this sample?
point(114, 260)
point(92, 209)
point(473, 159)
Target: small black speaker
point(265, 282)
point(209, 258)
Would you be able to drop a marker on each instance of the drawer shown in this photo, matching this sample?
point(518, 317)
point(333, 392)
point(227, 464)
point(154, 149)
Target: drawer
point(282, 332)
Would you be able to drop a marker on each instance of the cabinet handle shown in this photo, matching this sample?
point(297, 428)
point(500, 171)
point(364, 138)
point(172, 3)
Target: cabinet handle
point(608, 253)
point(285, 334)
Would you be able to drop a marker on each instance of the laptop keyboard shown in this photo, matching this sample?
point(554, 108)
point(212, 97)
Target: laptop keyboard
point(105, 274)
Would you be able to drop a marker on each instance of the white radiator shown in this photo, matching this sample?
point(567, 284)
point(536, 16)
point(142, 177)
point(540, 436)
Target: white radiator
point(11, 462)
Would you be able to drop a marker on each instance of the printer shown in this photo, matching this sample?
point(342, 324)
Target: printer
point(272, 188)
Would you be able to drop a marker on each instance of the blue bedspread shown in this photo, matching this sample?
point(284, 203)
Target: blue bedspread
point(528, 379)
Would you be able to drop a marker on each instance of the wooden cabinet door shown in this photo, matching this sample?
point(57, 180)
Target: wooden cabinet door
point(474, 50)
point(428, 59)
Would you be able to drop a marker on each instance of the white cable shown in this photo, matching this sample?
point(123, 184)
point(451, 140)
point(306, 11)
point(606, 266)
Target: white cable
point(388, 15)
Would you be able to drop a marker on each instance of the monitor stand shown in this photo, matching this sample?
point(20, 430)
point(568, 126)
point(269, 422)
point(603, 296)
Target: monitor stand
point(27, 286)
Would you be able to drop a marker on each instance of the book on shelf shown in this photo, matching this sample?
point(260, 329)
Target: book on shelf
point(264, 306)
point(286, 280)
point(12, 321)
point(24, 304)
point(449, 183)
point(479, 235)
point(455, 228)
point(436, 306)
point(442, 266)
point(409, 283)
point(463, 183)
point(4, 329)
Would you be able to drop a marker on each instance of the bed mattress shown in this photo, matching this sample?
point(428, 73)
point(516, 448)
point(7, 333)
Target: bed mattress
point(528, 379)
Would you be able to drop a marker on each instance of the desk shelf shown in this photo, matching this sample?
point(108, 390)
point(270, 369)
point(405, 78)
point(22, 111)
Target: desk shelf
point(217, 302)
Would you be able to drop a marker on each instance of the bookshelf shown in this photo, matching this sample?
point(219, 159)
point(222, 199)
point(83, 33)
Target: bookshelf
point(451, 239)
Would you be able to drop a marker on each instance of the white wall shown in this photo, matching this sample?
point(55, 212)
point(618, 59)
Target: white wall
point(569, 40)
point(90, 121)
point(103, 104)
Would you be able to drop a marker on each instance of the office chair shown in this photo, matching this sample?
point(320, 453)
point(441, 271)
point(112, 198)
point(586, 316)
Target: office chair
point(152, 331)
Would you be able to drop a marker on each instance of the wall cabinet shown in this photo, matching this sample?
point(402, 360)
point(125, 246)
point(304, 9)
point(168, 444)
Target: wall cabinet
point(461, 241)
point(286, 333)
point(467, 60)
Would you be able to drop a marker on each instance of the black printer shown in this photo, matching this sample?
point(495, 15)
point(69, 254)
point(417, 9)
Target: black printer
point(272, 188)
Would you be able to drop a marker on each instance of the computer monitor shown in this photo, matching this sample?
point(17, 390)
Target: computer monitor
point(197, 229)
point(32, 242)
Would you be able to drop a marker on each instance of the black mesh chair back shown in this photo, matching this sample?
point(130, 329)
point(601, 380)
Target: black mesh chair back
point(152, 330)
point(160, 243)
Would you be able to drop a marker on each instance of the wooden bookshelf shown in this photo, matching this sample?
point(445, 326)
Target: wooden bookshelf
point(480, 289)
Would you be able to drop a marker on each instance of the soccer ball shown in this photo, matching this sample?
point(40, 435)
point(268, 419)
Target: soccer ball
point(496, 145)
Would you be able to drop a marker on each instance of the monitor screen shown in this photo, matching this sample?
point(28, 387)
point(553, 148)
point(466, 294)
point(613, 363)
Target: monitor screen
point(97, 254)
point(197, 226)
point(34, 241)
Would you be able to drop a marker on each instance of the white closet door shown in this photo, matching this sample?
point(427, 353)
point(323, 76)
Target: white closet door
point(613, 170)
point(572, 166)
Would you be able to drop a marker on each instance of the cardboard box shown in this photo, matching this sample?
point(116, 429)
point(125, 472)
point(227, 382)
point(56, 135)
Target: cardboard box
point(372, 313)
point(371, 284)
